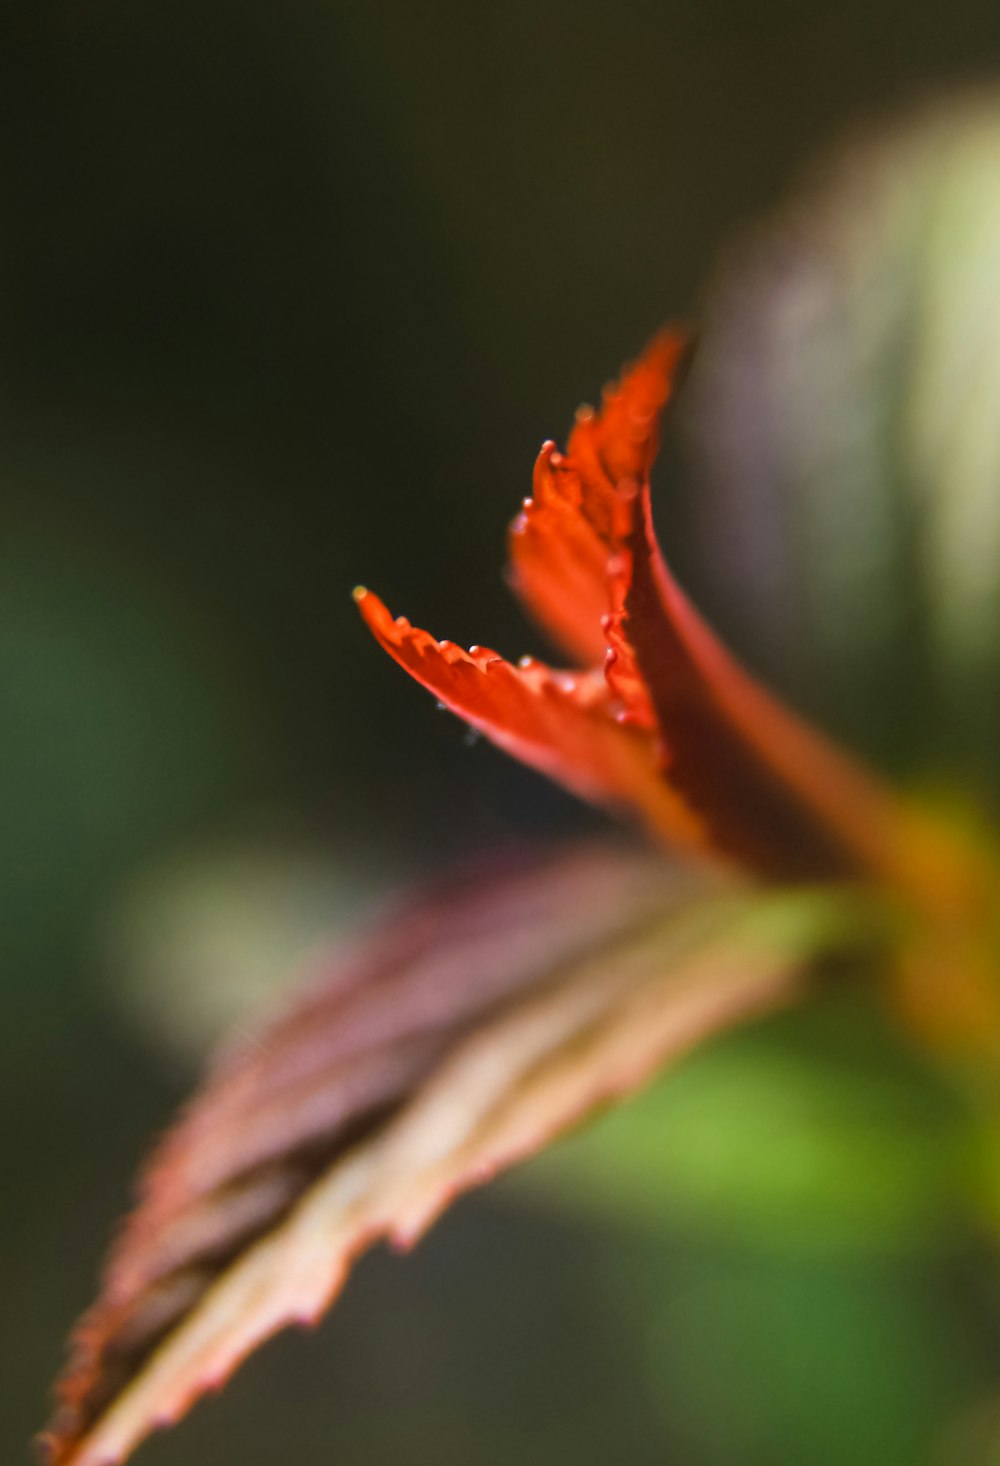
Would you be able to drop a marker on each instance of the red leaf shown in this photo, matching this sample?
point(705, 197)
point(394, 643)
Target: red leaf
point(565, 724)
point(456, 1038)
point(673, 710)
point(774, 793)
point(561, 541)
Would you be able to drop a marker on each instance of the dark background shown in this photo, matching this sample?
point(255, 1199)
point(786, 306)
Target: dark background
point(289, 295)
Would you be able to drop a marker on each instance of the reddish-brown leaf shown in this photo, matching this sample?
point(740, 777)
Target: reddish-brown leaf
point(773, 792)
point(456, 1038)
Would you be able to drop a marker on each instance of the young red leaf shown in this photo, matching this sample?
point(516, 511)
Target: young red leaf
point(455, 1039)
point(774, 792)
point(665, 722)
point(564, 724)
point(561, 541)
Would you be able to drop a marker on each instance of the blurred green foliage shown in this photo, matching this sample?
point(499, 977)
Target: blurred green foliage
point(818, 1132)
point(290, 294)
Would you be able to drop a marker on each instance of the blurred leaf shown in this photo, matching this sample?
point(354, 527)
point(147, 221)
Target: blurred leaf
point(843, 432)
point(813, 1132)
point(454, 1040)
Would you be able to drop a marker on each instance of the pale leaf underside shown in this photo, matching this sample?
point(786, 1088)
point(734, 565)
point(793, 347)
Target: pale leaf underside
point(459, 1037)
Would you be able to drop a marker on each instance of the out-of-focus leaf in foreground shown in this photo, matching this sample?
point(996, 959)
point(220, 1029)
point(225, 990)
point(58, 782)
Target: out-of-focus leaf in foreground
point(460, 1036)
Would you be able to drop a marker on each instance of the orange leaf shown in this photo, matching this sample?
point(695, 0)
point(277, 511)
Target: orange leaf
point(459, 1037)
point(665, 722)
point(565, 724)
point(561, 541)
